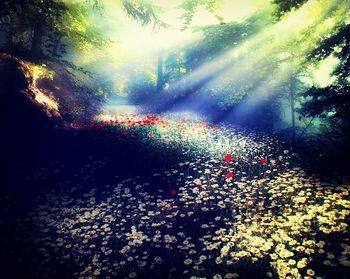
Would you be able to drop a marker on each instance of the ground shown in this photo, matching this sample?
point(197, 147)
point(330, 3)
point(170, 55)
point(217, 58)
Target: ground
point(141, 196)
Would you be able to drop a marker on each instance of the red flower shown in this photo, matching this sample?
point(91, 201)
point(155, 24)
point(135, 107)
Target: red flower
point(173, 192)
point(228, 158)
point(230, 175)
point(263, 161)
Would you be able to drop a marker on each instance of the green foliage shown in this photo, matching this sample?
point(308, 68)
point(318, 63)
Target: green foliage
point(75, 26)
point(337, 44)
point(285, 6)
point(219, 38)
point(48, 29)
point(190, 7)
point(34, 11)
point(237, 94)
point(55, 24)
point(332, 101)
point(143, 11)
point(328, 102)
point(53, 31)
point(174, 67)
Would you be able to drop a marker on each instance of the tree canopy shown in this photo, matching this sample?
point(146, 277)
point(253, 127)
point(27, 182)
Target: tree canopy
point(266, 60)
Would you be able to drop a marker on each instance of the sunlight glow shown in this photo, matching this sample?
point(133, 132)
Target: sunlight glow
point(42, 96)
point(322, 75)
point(238, 62)
point(135, 47)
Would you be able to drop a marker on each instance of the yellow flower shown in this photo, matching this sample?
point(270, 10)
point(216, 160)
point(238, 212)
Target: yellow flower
point(286, 254)
point(300, 249)
point(295, 273)
point(302, 263)
point(309, 251)
point(273, 256)
point(325, 230)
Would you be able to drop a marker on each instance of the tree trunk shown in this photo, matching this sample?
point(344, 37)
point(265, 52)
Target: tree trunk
point(56, 46)
point(292, 106)
point(160, 76)
point(37, 40)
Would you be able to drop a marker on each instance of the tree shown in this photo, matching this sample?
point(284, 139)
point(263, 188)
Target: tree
point(332, 102)
point(160, 75)
point(44, 29)
point(219, 38)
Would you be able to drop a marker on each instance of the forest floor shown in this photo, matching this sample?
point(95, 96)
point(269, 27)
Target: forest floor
point(139, 196)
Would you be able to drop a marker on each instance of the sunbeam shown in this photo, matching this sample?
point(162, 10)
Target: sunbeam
point(240, 62)
point(255, 50)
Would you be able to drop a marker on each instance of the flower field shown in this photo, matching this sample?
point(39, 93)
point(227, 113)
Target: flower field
point(240, 207)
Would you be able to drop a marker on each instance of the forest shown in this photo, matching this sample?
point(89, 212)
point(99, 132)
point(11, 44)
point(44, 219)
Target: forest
point(175, 138)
